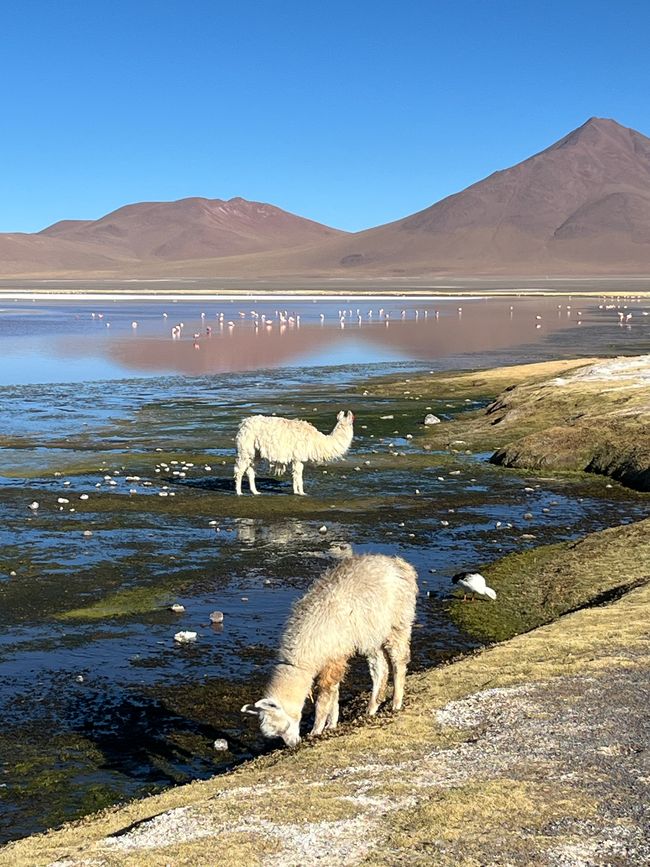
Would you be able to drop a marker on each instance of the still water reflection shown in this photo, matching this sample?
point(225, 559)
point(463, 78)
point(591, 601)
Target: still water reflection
point(81, 341)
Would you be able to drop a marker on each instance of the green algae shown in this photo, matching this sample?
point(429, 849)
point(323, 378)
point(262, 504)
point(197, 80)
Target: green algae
point(537, 586)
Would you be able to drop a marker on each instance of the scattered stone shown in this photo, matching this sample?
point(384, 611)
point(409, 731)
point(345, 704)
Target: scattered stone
point(62, 500)
point(83, 497)
point(322, 529)
point(216, 617)
point(528, 536)
point(79, 678)
point(430, 418)
point(34, 506)
point(12, 574)
point(220, 745)
point(186, 637)
point(528, 516)
point(177, 608)
point(88, 532)
point(386, 417)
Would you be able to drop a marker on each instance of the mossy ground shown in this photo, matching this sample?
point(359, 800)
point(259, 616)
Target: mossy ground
point(406, 788)
point(147, 551)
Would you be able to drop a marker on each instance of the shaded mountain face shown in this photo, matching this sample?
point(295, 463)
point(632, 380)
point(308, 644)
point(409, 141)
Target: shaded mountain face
point(580, 206)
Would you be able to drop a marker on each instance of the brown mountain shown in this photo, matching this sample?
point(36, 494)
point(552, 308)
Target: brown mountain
point(153, 232)
point(193, 228)
point(580, 206)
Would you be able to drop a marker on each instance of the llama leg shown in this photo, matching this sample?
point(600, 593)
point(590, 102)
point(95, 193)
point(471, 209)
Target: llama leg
point(333, 716)
point(327, 701)
point(241, 465)
point(399, 655)
point(323, 701)
point(296, 471)
point(250, 472)
point(378, 665)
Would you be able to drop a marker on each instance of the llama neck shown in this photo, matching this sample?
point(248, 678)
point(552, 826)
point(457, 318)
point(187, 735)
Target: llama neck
point(291, 686)
point(340, 439)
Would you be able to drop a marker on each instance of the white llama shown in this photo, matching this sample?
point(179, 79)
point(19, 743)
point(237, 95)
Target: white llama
point(365, 605)
point(287, 442)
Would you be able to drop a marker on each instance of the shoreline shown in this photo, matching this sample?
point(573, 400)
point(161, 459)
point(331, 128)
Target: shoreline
point(410, 295)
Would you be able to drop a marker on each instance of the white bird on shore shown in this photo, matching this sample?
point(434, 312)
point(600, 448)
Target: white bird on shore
point(473, 582)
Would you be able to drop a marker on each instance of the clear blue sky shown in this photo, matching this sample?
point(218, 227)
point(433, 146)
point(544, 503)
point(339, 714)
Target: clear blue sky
point(352, 113)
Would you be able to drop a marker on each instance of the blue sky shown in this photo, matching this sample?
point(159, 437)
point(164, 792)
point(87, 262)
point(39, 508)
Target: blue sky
point(351, 113)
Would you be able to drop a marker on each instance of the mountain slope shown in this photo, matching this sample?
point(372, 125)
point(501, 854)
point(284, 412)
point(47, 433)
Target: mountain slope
point(584, 201)
point(192, 228)
point(581, 205)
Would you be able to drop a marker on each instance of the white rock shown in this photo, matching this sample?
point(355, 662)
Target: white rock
point(88, 532)
point(220, 745)
point(430, 418)
point(322, 529)
point(177, 608)
point(185, 637)
point(216, 617)
point(62, 500)
point(83, 497)
point(33, 506)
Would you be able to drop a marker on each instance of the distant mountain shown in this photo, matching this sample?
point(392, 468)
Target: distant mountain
point(580, 206)
point(192, 228)
point(154, 232)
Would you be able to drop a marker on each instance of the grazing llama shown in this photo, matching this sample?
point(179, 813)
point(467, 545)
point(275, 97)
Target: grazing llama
point(287, 442)
point(365, 605)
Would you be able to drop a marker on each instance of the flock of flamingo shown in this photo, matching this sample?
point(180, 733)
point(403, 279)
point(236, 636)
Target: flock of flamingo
point(283, 319)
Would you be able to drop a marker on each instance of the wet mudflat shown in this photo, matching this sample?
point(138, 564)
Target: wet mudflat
point(137, 511)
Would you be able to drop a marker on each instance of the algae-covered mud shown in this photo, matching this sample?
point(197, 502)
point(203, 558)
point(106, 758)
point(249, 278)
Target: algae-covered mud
point(136, 511)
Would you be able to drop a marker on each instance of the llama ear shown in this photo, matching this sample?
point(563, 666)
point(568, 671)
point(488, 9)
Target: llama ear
point(260, 706)
point(340, 416)
point(249, 708)
point(350, 416)
point(267, 704)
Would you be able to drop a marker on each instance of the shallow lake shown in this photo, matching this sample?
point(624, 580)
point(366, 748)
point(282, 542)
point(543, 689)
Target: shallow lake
point(98, 702)
point(84, 341)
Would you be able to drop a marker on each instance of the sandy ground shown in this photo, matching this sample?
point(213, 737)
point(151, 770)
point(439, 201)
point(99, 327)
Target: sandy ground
point(533, 751)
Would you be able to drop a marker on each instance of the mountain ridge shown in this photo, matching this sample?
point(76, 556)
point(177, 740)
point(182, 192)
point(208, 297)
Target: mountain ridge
point(582, 204)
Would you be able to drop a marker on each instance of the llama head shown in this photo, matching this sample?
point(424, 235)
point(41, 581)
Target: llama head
point(346, 417)
point(275, 722)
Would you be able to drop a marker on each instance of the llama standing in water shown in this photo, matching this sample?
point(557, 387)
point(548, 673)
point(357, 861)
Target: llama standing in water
point(365, 605)
point(285, 442)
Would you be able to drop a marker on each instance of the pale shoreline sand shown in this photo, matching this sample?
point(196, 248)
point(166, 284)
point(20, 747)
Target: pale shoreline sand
point(175, 296)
